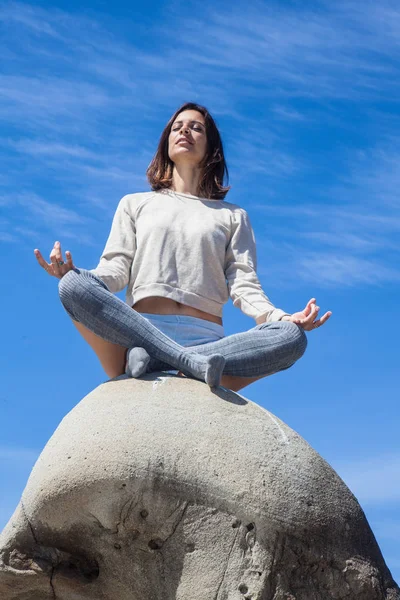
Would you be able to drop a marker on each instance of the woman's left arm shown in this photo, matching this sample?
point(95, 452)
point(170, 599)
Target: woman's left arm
point(245, 288)
point(241, 272)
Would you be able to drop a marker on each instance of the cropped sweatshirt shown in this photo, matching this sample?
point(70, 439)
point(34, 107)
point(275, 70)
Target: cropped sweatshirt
point(193, 250)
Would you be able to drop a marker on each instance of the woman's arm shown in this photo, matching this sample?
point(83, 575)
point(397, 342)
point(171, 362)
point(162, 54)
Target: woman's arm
point(117, 257)
point(245, 288)
point(240, 271)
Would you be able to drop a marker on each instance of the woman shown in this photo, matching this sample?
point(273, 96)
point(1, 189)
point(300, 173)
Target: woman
point(181, 250)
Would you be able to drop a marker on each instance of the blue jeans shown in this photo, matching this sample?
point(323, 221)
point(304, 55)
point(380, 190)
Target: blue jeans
point(263, 350)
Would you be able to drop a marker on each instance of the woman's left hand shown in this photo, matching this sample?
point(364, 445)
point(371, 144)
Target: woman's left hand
point(307, 318)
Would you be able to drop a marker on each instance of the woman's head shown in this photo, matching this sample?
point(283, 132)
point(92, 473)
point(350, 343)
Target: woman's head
point(191, 137)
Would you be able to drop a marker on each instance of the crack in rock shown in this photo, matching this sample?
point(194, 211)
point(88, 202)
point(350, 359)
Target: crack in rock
point(226, 565)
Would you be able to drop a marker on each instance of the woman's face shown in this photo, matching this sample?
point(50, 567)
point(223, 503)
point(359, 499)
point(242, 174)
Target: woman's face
point(187, 142)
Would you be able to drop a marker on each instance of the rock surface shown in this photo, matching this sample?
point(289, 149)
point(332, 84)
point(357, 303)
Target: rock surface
point(161, 489)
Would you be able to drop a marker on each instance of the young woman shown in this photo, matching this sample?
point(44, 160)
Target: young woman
point(181, 250)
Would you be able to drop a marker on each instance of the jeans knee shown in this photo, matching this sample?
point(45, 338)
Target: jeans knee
point(296, 337)
point(67, 284)
point(79, 290)
point(67, 288)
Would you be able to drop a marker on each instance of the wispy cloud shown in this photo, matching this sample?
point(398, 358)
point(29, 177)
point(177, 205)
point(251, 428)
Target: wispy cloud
point(374, 480)
point(32, 215)
point(288, 113)
point(349, 241)
point(28, 16)
point(88, 116)
point(49, 212)
point(303, 52)
point(376, 176)
point(344, 270)
point(8, 237)
point(38, 148)
point(18, 455)
point(260, 158)
point(311, 52)
point(349, 233)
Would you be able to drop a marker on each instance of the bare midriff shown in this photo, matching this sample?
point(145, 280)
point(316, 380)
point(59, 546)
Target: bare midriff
point(156, 305)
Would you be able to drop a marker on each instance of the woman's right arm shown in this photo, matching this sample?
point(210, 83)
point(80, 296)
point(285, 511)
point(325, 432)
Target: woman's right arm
point(116, 260)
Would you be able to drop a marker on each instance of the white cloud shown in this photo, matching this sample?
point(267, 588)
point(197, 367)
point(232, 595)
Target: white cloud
point(28, 16)
point(303, 52)
point(263, 159)
point(26, 232)
point(351, 241)
point(350, 237)
point(374, 480)
point(50, 212)
point(7, 237)
point(339, 269)
point(88, 126)
point(288, 114)
point(54, 149)
point(32, 216)
point(18, 455)
point(42, 99)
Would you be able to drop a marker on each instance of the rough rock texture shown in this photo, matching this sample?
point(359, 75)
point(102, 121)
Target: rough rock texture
point(160, 489)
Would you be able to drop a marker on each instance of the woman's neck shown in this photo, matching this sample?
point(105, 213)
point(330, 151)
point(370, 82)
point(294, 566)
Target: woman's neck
point(185, 179)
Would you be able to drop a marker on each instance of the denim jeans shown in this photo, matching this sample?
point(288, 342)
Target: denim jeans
point(263, 350)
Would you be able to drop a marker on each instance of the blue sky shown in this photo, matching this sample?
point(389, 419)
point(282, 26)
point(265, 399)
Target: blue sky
point(306, 98)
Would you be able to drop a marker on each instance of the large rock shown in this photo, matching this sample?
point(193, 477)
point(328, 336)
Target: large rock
point(159, 489)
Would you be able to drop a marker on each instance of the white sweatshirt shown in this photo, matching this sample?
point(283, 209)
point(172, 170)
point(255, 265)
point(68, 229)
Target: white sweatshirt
point(193, 250)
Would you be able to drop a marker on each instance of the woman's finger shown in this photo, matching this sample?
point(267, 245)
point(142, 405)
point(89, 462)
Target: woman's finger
point(308, 307)
point(322, 320)
point(63, 266)
point(45, 265)
point(70, 262)
point(307, 323)
point(58, 252)
point(313, 314)
point(55, 265)
point(40, 258)
point(325, 317)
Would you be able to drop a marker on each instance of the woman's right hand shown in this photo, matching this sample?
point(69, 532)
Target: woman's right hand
point(56, 267)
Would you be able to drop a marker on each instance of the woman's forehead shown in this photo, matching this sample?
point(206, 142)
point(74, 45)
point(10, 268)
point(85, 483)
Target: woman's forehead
point(190, 115)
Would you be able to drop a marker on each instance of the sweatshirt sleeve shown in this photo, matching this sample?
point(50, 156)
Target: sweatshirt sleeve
point(116, 260)
point(240, 271)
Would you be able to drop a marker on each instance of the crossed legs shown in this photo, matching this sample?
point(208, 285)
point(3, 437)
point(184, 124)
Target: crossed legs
point(110, 327)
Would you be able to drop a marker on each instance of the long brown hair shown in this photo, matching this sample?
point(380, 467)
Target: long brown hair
point(159, 172)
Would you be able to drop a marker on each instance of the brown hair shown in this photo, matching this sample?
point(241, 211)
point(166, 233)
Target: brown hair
point(159, 172)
